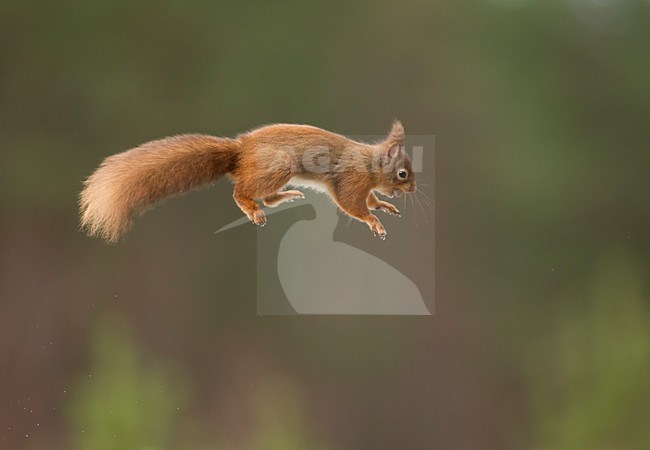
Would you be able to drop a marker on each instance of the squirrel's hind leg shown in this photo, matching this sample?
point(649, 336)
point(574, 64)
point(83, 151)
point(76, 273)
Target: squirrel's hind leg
point(281, 197)
point(263, 186)
point(250, 207)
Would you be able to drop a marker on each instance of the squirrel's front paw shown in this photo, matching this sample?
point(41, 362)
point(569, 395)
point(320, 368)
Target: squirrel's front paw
point(258, 217)
point(378, 229)
point(388, 208)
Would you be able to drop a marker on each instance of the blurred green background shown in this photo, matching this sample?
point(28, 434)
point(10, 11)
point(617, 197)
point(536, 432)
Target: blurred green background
point(541, 337)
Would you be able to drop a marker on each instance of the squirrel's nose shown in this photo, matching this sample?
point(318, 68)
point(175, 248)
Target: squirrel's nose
point(413, 187)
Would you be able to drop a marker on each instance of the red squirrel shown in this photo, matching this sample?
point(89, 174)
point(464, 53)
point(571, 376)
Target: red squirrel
point(260, 164)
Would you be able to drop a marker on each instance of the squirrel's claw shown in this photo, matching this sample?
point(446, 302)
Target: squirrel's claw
point(378, 230)
point(258, 218)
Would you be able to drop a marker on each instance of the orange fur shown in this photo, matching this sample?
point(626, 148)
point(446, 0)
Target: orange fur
point(260, 163)
point(132, 181)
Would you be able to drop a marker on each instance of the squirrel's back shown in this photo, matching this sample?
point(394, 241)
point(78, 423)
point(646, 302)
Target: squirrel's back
point(132, 181)
point(297, 137)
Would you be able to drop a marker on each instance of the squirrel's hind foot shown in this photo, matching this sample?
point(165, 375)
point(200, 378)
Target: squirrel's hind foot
point(258, 217)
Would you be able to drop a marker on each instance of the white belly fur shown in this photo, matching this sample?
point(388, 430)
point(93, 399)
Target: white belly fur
point(311, 184)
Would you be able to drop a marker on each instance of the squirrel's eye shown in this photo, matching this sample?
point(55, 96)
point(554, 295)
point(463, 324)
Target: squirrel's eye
point(402, 174)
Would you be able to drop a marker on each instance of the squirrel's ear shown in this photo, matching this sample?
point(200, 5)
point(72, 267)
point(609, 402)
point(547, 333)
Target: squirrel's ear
point(396, 133)
point(393, 151)
point(394, 141)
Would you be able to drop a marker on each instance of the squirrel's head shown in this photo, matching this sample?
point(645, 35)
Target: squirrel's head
point(396, 173)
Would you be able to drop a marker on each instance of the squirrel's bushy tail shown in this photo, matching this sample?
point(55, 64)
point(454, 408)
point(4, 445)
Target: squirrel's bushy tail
point(133, 181)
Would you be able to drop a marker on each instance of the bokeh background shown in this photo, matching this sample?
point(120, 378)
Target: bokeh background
point(541, 337)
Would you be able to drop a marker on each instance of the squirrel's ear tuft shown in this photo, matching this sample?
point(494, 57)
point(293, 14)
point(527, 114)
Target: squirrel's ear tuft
point(396, 133)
